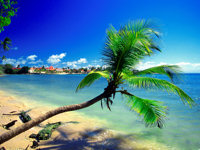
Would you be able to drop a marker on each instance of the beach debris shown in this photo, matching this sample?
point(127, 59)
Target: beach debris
point(10, 124)
point(75, 122)
point(45, 133)
point(26, 147)
point(13, 112)
point(2, 148)
point(24, 117)
point(35, 144)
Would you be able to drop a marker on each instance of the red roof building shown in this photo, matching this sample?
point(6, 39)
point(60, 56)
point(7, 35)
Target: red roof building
point(50, 68)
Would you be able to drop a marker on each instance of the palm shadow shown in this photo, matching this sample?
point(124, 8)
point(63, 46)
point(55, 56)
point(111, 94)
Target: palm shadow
point(90, 139)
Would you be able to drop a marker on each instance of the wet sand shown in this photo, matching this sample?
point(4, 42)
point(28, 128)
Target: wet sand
point(77, 132)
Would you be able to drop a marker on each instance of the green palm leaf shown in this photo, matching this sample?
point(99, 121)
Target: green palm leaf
point(168, 70)
point(153, 83)
point(153, 112)
point(91, 77)
point(124, 48)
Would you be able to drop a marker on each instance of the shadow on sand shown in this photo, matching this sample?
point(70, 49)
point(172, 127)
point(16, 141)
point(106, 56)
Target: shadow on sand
point(99, 139)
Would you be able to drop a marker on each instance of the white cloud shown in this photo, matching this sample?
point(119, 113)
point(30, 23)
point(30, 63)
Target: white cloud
point(21, 62)
point(97, 61)
point(185, 66)
point(82, 61)
point(54, 59)
point(36, 62)
point(14, 62)
point(9, 61)
point(95, 66)
point(105, 66)
point(14, 48)
point(74, 64)
point(189, 67)
point(31, 57)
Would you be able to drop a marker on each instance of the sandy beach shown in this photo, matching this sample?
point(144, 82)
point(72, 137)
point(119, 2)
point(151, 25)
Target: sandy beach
point(76, 132)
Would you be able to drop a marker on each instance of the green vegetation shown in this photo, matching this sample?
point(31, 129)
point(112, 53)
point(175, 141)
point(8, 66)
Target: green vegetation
point(1, 69)
point(8, 10)
point(8, 69)
point(45, 133)
point(123, 50)
point(24, 117)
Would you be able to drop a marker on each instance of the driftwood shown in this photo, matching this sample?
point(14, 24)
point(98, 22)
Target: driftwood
point(10, 124)
point(12, 114)
point(24, 117)
point(26, 147)
point(13, 111)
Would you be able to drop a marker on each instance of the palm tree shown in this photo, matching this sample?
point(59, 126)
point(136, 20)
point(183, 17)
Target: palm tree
point(4, 45)
point(123, 50)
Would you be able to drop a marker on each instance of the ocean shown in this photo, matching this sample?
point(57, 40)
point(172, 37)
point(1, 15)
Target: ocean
point(182, 125)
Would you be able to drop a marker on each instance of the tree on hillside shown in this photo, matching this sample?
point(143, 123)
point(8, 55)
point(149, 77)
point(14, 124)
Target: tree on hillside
point(8, 69)
point(18, 66)
point(124, 48)
point(1, 69)
point(23, 70)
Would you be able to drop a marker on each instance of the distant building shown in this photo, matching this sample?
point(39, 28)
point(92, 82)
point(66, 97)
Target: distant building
point(88, 71)
point(51, 68)
point(16, 68)
point(31, 70)
point(59, 69)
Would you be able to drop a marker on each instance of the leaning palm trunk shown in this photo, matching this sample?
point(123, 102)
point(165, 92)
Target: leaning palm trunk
point(12, 133)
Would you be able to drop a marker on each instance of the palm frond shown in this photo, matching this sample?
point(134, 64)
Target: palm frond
point(91, 77)
point(159, 84)
point(3, 58)
point(168, 70)
point(153, 112)
point(124, 48)
point(6, 43)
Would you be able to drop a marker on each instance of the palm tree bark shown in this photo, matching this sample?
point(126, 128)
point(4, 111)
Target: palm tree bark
point(12, 133)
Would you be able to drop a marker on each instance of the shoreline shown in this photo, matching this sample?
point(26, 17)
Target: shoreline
point(76, 128)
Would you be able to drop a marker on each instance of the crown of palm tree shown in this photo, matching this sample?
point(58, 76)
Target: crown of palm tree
point(5, 46)
point(6, 43)
point(124, 48)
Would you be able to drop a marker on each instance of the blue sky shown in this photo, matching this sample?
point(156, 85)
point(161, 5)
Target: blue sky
point(72, 33)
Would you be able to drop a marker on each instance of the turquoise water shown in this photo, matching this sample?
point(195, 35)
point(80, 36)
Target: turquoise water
point(182, 127)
